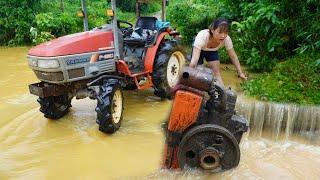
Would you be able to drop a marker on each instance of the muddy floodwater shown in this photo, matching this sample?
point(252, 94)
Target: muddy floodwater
point(283, 142)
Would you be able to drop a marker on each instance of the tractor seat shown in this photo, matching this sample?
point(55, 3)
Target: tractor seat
point(146, 23)
point(139, 36)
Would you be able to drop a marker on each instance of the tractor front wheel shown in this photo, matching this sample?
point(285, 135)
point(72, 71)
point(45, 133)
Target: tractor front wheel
point(166, 69)
point(55, 107)
point(109, 106)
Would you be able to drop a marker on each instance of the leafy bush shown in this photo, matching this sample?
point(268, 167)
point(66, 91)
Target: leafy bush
point(151, 7)
point(127, 5)
point(49, 26)
point(17, 16)
point(295, 80)
point(130, 6)
point(41, 37)
point(306, 27)
point(191, 16)
point(259, 35)
point(30, 21)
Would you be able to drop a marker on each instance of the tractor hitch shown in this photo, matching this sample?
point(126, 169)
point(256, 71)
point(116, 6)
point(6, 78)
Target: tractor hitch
point(42, 89)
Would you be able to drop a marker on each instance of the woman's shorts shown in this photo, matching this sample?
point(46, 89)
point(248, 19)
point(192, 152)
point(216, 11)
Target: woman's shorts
point(209, 55)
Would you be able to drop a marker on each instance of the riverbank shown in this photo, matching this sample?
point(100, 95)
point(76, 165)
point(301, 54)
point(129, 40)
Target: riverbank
point(295, 80)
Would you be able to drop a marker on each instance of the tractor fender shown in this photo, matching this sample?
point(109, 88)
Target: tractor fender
point(163, 49)
point(167, 46)
point(151, 53)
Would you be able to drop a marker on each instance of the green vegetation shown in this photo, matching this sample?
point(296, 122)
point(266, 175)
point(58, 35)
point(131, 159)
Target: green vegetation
point(279, 37)
point(130, 6)
point(35, 21)
point(191, 16)
point(264, 32)
point(296, 80)
point(16, 19)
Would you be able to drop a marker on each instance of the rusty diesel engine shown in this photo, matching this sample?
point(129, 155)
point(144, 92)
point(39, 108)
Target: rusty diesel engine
point(203, 130)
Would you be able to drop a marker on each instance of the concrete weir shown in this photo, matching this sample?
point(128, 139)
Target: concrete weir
point(281, 121)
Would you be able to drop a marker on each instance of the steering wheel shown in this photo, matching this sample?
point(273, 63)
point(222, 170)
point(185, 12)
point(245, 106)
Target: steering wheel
point(125, 27)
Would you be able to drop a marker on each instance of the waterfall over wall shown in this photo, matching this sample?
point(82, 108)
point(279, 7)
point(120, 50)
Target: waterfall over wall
point(281, 121)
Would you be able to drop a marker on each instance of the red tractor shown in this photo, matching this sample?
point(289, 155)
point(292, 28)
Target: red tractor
point(100, 63)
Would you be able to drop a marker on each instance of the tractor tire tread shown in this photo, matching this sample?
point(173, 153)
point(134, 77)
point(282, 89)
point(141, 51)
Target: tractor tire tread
point(104, 103)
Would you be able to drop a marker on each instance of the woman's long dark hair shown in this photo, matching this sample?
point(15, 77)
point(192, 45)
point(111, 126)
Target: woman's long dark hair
point(219, 23)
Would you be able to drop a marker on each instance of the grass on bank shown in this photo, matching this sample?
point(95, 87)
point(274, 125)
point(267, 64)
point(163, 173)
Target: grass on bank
point(296, 80)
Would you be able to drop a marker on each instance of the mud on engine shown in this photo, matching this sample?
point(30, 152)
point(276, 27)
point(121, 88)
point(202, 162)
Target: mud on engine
point(203, 131)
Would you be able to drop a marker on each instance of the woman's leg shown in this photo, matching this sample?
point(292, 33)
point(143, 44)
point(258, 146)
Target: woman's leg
point(215, 67)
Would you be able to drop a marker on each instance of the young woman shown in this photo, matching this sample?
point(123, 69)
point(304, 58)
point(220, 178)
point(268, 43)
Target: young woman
point(208, 42)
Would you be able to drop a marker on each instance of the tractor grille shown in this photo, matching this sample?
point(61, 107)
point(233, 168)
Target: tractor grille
point(49, 76)
point(107, 66)
point(75, 73)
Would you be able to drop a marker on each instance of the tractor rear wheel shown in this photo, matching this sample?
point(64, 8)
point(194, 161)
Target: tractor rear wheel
point(109, 106)
point(166, 69)
point(55, 107)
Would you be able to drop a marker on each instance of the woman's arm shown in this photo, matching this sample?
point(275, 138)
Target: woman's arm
point(235, 61)
point(195, 57)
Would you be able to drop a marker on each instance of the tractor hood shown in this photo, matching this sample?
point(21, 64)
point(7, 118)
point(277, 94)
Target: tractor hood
point(84, 42)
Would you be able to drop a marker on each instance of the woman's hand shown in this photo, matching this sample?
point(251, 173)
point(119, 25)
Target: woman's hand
point(193, 65)
point(234, 58)
point(242, 76)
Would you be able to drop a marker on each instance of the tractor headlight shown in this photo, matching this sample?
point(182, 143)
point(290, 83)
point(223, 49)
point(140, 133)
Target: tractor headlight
point(48, 63)
point(32, 62)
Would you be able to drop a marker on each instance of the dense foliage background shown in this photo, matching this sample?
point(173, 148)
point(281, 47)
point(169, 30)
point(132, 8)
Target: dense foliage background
point(264, 31)
point(24, 22)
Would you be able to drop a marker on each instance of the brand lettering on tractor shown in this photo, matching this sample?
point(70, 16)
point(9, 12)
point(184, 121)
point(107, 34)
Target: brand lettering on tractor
point(78, 60)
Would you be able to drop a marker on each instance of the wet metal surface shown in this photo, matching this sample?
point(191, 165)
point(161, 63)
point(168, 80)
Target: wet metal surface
point(32, 147)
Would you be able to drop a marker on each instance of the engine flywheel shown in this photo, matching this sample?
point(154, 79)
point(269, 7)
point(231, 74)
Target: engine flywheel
point(209, 147)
